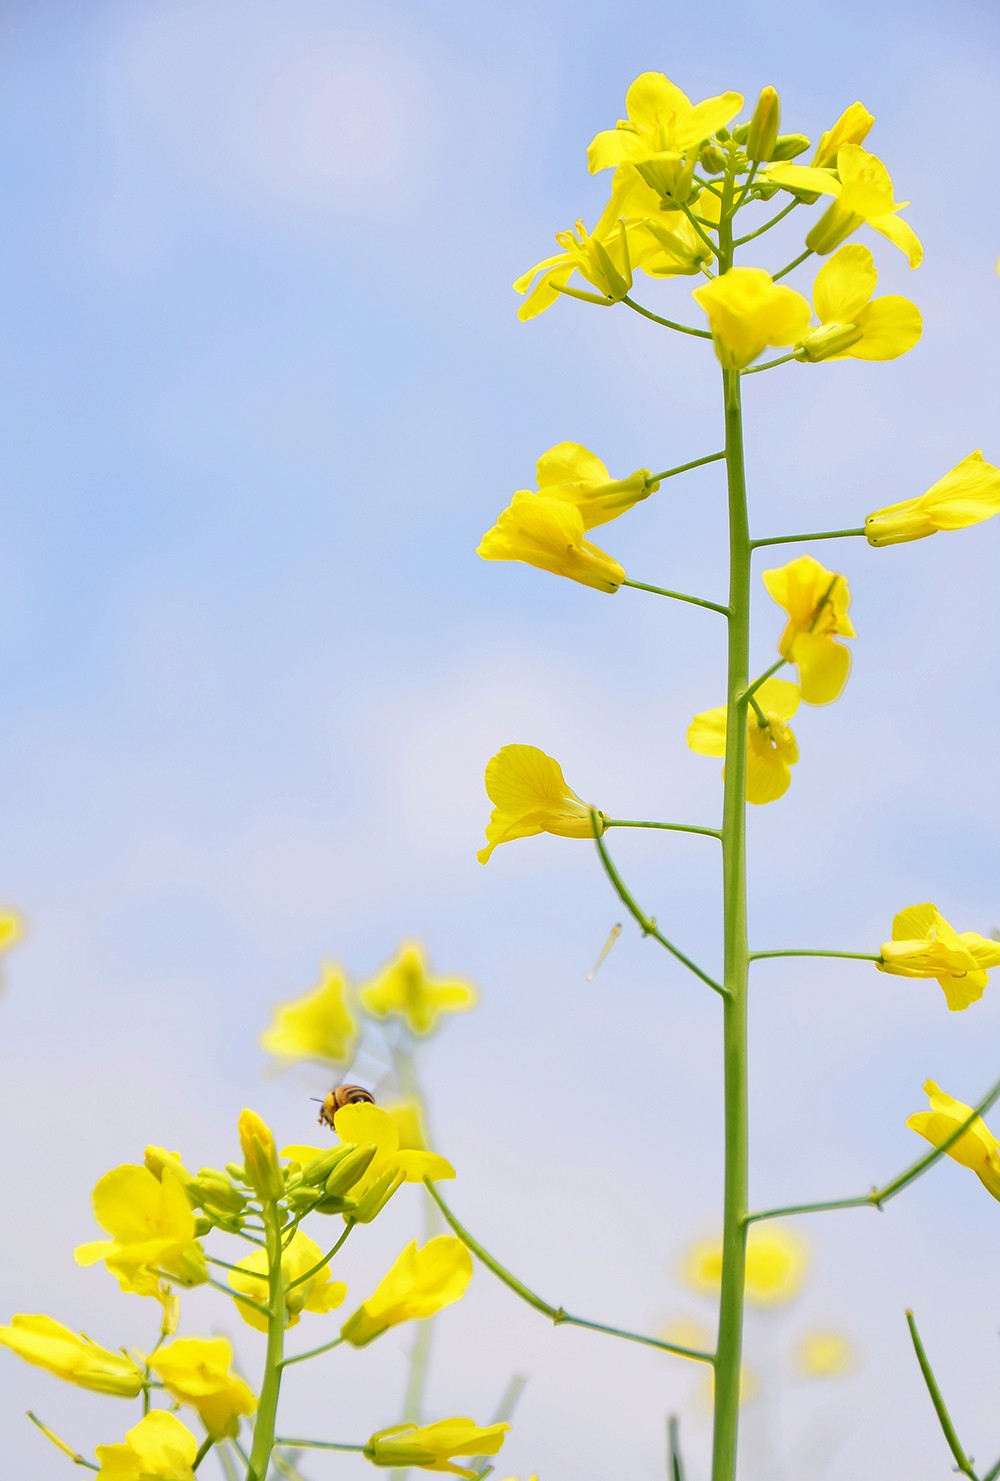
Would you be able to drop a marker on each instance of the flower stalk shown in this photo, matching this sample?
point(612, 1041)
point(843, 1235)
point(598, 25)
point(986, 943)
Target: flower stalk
point(267, 1412)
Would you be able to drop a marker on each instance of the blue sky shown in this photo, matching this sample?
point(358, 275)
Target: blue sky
point(265, 388)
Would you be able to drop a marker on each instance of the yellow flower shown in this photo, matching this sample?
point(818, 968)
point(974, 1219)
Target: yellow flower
point(11, 929)
point(196, 1371)
point(662, 241)
point(851, 128)
point(548, 533)
point(851, 326)
point(825, 1355)
point(319, 1293)
point(571, 473)
point(260, 1156)
point(391, 1166)
point(966, 495)
point(863, 195)
point(152, 1227)
point(816, 601)
point(48, 1344)
point(776, 1263)
point(924, 945)
point(601, 257)
point(421, 1282)
point(771, 751)
point(158, 1446)
point(316, 1026)
point(405, 990)
point(976, 1148)
point(747, 311)
point(530, 795)
point(434, 1446)
point(663, 126)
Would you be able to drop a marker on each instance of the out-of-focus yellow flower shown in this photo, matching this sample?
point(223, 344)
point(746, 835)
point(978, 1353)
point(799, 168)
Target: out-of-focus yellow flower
point(365, 1125)
point(548, 533)
point(864, 195)
point(48, 1344)
point(816, 601)
point(404, 989)
point(159, 1446)
point(601, 257)
point(661, 134)
point(825, 1355)
point(530, 795)
point(11, 929)
point(747, 311)
point(776, 1264)
point(924, 945)
point(152, 1227)
point(851, 128)
point(408, 1119)
point(421, 1282)
point(197, 1371)
point(433, 1447)
point(573, 474)
point(748, 1386)
point(684, 1331)
point(318, 1294)
point(318, 1025)
point(976, 1148)
point(852, 326)
point(260, 1156)
point(966, 495)
point(771, 750)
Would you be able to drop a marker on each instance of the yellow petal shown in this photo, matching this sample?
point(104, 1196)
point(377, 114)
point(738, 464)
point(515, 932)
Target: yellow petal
point(901, 234)
point(891, 326)
point(707, 732)
point(823, 665)
point(844, 284)
point(569, 463)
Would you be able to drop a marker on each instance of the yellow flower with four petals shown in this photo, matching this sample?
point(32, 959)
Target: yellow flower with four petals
point(771, 748)
point(969, 493)
point(816, 601)
point(852, 324)
point(404, 989)
point(924, 945)
point(530, 795)
point(747, 311)
point(318, 1294)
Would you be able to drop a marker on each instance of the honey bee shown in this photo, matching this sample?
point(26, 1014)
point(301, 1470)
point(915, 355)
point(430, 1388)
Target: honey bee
point(343, 1095)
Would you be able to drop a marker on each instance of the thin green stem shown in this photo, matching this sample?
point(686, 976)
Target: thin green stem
point(674, 1449)
point(317, 1445)
point(767, 674)
point(667, 323)
point(235, 1296)
point(685, 467)
point(993, 1472)
point(768, 364)
point(741, 241)
point(314, 1269)
point(645, 922)
point(678, 596)
point(556, 1314)
point(74, 1456)
point(225, 1265)
point(762, 719)
point(878, 1197)
point(667, 827)
point(203, 1450)
point(267, 1407)
point(313, 1352)
point(798, 539)
point(715, 251)
point(851, 956)
point(962, 1461)
point(791, 265)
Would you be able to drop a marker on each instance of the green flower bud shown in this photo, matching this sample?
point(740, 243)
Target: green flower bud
point(236, 1171)
point(335, 1204)
point(831, 229)
point(351, 1169)
point(218, 1193)
point(377, 1196)
point(712, 159)
point(157, 1158)
point(319, 1169)
point(740, 132)
point(203, 1226)
point(762, 133)
point(787, 146)
point(829, 339)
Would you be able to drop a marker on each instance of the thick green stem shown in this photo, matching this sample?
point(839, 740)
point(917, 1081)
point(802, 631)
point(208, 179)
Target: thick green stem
point(734, 1228)
point(267, 1408)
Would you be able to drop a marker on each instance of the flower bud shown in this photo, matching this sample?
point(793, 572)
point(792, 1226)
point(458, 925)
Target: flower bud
point(302, 1197)
point(217, 1192)
point(787, 146)
point(831, 229)
point(377, 1196)
point(203, 1225)
point(350, 1169)
point(829, 339)
point(762, 133)
point(260, 1157)
point(319, 1169)
point(898, 524)
point(157, 1158)
point(338, 1203)
point(740, 132)
point(712, 159)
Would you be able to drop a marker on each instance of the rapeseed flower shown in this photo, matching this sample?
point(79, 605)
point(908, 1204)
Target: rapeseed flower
point(969, 493)
point(404, 989)
point(976, 1148)
point(771, 748)
point(420, 1283)
point(530, 795)
point(747, 311)
point(816, 601)
point(924, 945)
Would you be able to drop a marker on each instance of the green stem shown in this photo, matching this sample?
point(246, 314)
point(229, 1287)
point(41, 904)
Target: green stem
point(76, 1458)
point(317, 1445)
point(314, 1352)
point(646, 923)
point(715, 251)
point(685, 467)
point(731, 1295)
point(741, 241)
point(769, 364)
point(667, 323)
point(678, 596)
point(217, 1285)
point(267, 1408)
point(674, 1447)
point(667, 827)
point(851, 956)
point(556, 1314)
point(225, 1265)
point(762, 719)
point(962, 1461)
point(203, 1450)
point(313, 1269)
point(790, 265)
point(767, 674)
point(878, 1197)
point(797, 539)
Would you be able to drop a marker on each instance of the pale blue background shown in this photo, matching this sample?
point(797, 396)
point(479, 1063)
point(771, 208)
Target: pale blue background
point(264, 389)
